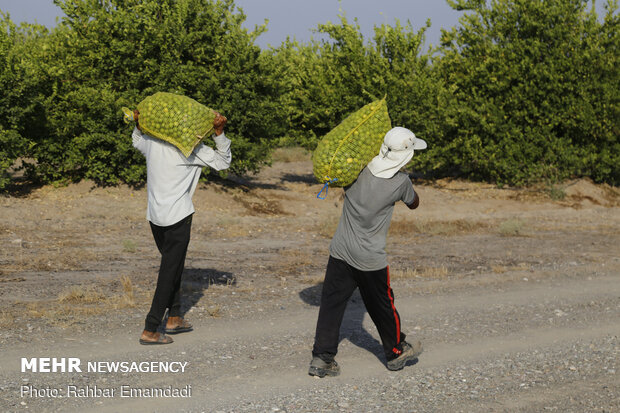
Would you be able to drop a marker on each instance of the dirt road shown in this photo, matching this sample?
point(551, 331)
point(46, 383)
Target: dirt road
point(515, 296)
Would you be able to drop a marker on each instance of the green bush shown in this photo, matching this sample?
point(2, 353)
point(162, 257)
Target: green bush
point(532, 93)
point(105, 55)
point(12, 146)
point(326, 80)
point(18, 109)
point(520, 91)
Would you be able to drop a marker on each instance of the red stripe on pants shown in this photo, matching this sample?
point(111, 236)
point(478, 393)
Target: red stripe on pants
point(389, 291)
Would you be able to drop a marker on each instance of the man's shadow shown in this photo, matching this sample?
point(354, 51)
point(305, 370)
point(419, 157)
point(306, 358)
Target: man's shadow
point(196, 280)
point(352, 327)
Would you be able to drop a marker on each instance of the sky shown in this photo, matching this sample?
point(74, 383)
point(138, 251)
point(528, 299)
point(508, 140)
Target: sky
point(297, 18)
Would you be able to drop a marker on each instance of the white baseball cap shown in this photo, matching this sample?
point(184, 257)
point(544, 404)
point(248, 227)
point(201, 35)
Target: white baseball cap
point(396, 151)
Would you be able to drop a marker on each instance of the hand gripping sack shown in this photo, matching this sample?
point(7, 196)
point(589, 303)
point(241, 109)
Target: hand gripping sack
point(176, 119)
point(342, 154)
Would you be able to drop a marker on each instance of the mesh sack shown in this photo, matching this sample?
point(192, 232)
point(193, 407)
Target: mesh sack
point(176, 119)
point(346, 150)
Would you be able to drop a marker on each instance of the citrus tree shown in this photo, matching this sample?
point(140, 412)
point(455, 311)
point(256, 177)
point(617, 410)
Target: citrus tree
point(532, 92)
point(328, 79)
point(108, 54)
point(20, 108)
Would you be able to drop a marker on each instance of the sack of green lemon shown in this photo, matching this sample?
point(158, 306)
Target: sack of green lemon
point(345, 150)
point(176, 119)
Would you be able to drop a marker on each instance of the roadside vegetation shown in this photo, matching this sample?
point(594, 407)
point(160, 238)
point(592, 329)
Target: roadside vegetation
point(519, 92)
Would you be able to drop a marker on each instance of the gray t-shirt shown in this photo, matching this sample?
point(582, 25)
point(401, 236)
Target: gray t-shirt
point(366, 214)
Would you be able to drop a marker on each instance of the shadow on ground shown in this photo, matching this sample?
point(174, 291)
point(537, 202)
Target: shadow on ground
point(305, 178)
point(196, 280)
point(352, 327)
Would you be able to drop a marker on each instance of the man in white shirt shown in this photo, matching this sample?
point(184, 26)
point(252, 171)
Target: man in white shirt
point(171, 181)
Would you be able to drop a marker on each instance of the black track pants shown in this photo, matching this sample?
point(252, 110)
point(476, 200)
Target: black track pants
point(172, 242)
point(341, 279)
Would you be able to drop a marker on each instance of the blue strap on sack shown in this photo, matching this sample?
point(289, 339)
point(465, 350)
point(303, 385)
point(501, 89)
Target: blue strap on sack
point(127, 114)
point(325, 188)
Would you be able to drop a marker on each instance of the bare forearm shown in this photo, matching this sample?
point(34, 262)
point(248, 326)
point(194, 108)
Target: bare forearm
point(416, 201)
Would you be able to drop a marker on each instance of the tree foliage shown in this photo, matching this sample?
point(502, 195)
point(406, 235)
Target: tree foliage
point(109, 53)
point(533, 92)
point(520, 91)
point(20, 111)
point(331, 78)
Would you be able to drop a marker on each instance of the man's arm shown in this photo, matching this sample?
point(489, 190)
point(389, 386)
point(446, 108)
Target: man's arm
point(218, 123)
point(138, 141)
point(219, 158)
point(409, 195)
point(416, 201)
point(136, 117)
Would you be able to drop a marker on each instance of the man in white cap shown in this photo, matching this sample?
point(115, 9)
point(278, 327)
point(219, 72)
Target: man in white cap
point(358, 258)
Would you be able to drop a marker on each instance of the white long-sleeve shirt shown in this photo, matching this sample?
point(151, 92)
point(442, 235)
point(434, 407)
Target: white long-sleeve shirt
point(171, 178)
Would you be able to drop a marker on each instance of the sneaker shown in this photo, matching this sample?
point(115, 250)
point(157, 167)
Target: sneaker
point(320, 368)
point(410, 353)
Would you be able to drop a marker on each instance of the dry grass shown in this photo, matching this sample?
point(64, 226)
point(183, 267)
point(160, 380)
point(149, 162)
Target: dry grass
point(90, 295)
point(291, 154)
point(477, 190)
point(72, 241)
point(127, 299)
point(78, 302)
point(556, 192)
point(327, 227)
point(498, 269)
point(129, 246)
point(81, 295)
point(312, 280)
point(49, 260)
point(230, 282)
point(7, 320)
point(294, 263)
point(231, 286)
point(512, 228)
point(237, 231)
point(424, 272)
point(214, 311)
point(61, 313)
point(233, 228)
point(258, 204)
point(501, 269)
point(432, 227)
point(14, 279)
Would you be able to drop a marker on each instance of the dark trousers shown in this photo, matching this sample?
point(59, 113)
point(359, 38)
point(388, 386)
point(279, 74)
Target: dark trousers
point(341, 279)
point(172, 242)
